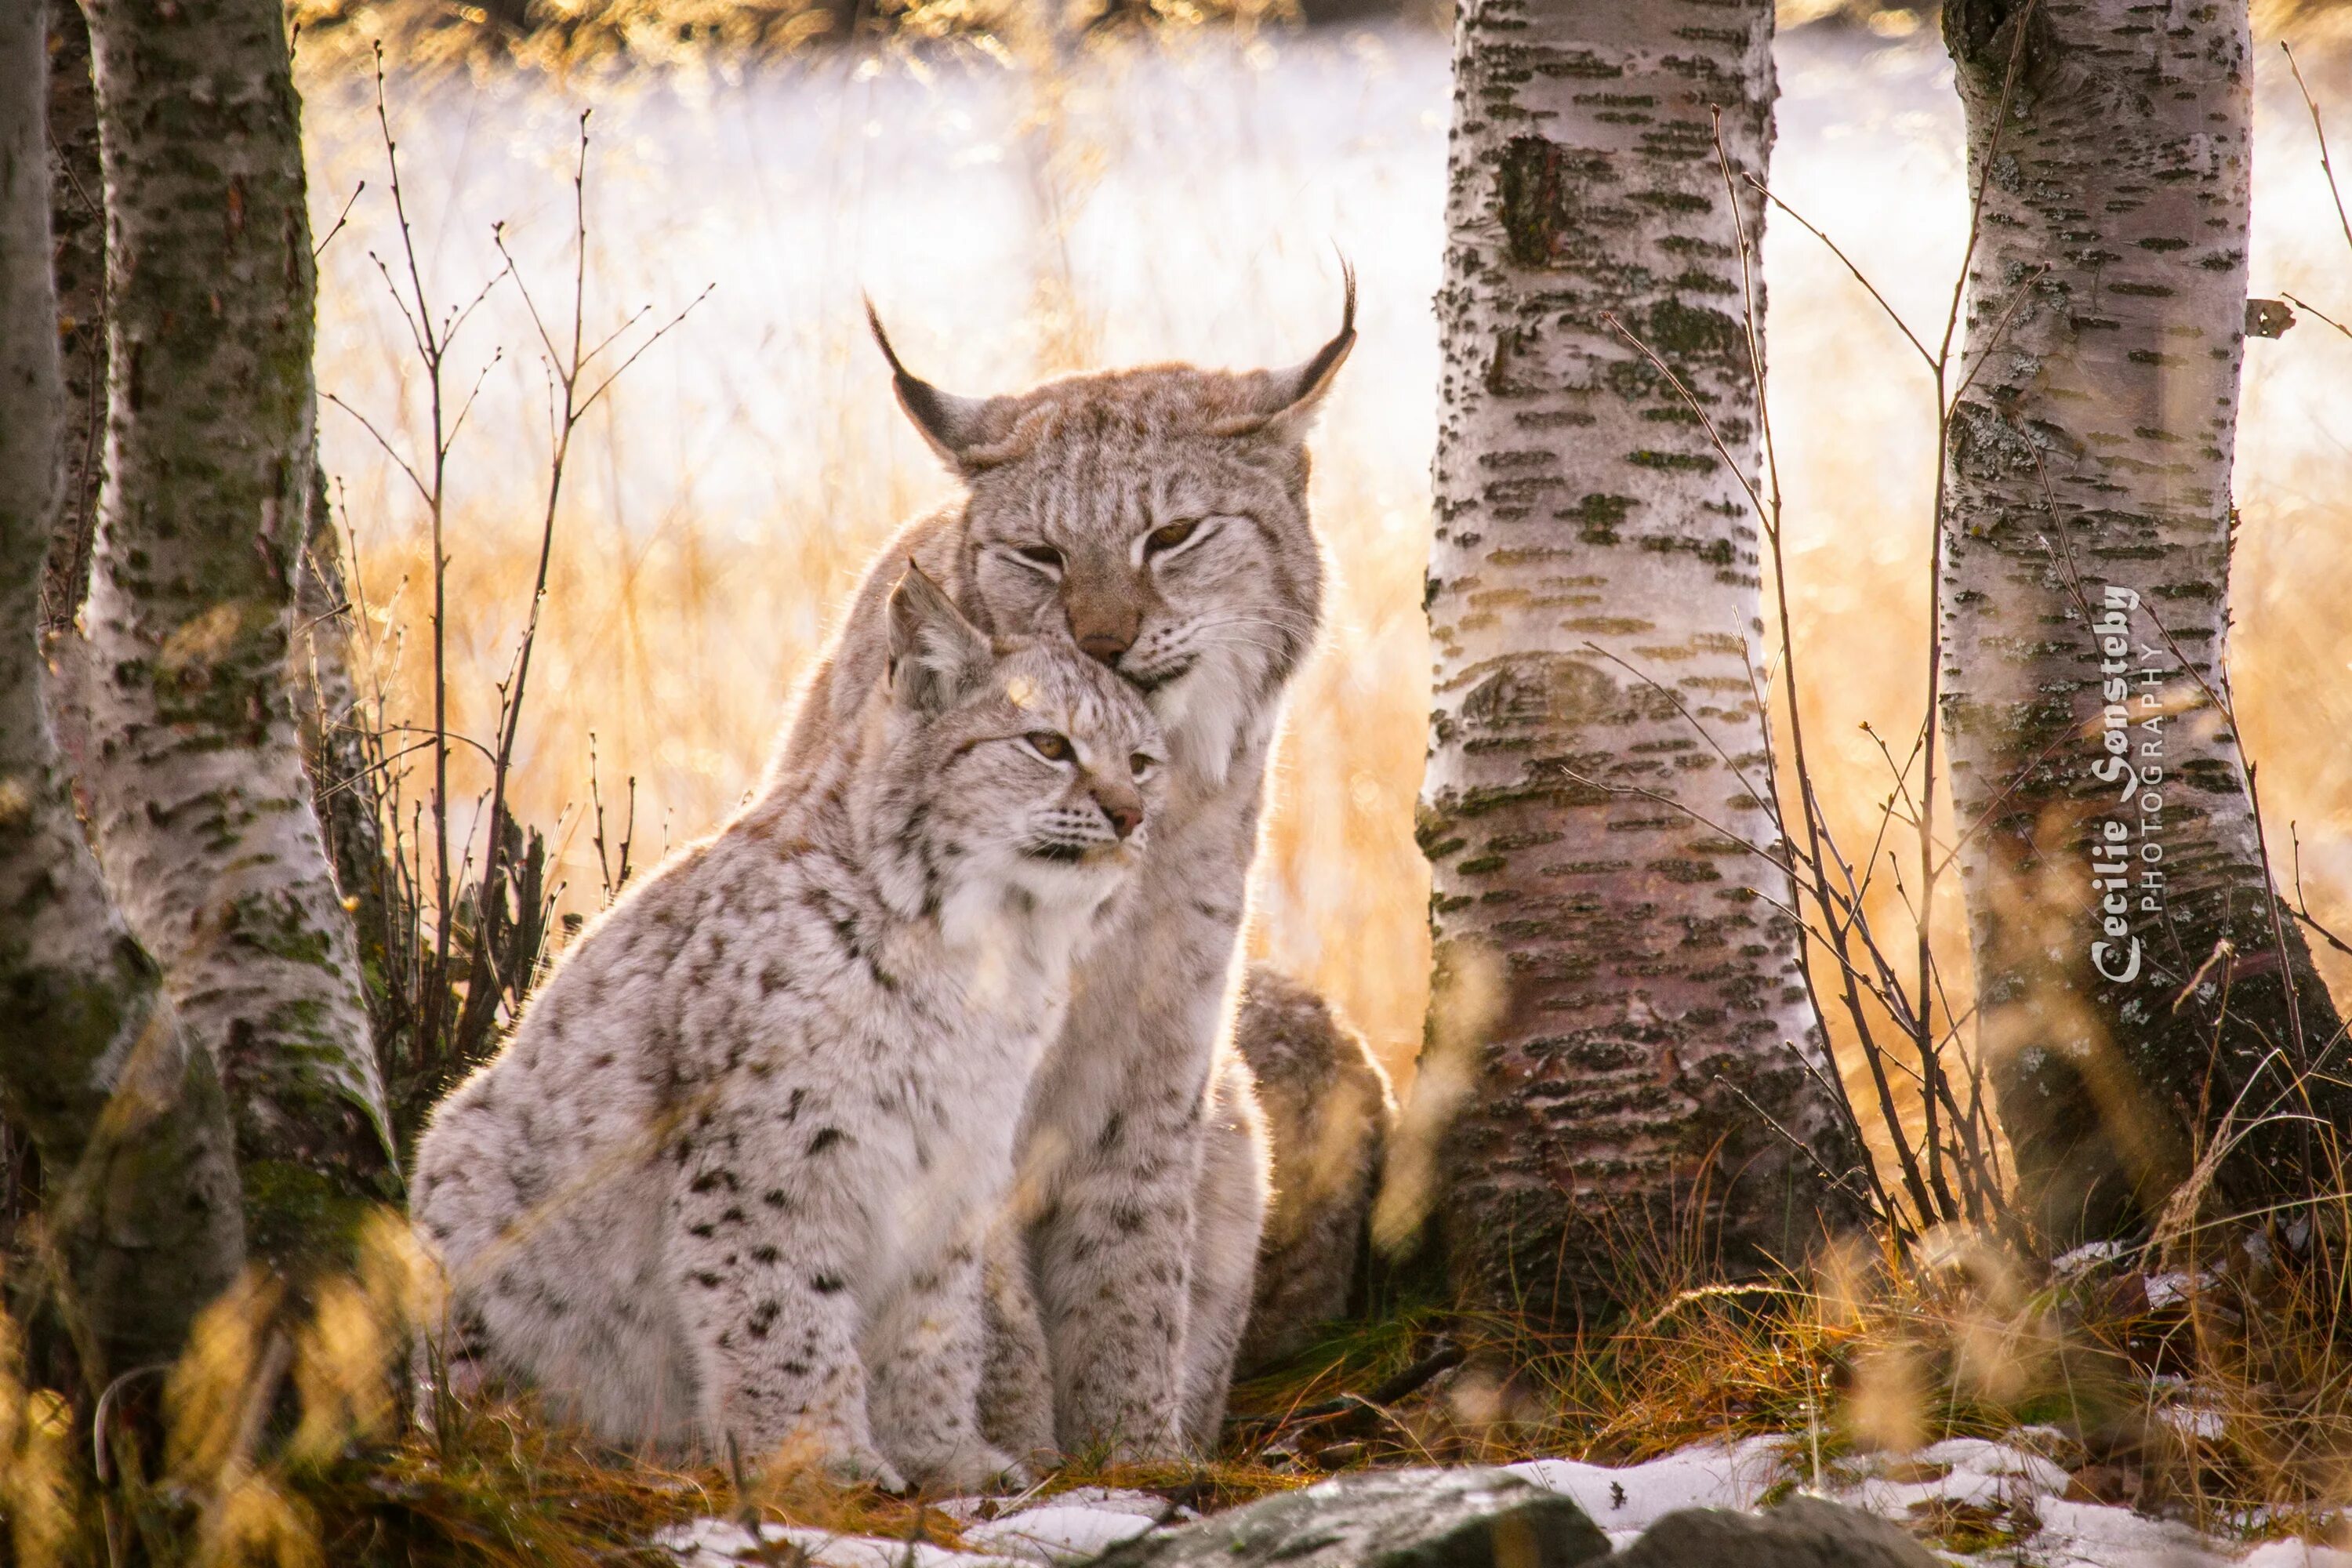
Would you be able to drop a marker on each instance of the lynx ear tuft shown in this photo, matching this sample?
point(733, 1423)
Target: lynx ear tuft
point(937, 657)
point(955, 427)
point(1291, 397)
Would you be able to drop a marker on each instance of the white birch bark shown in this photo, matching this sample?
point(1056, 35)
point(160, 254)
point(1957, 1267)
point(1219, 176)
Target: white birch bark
point(204, 815)
point(139, 1180)
point(1582, 511)
point(2106, 310)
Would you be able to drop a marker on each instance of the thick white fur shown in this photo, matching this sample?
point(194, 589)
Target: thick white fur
point(731, 1177)
point(1108, 1291)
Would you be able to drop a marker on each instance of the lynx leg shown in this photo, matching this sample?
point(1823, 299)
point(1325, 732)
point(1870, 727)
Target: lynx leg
point(767, 1309)
point(1112, 1261)
point(1016, 1393)
point(1229, 1216)
point(925, 1393)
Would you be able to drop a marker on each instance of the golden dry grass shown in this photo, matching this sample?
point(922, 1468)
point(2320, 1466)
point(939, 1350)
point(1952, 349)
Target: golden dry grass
point(2215, 1396)
point(1142, 201)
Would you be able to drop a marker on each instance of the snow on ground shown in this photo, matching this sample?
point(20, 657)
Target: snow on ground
point(723, 1544)
point(1053, 1533)
point(2001, 1479)
point(1068, 1528)
point(1625, 1501)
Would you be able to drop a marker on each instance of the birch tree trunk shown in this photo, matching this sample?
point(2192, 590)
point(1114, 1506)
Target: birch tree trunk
point(140, 1181)
point(77, 240)
point(204, 815)
point(335, 750)
point(2106, 313)
point(1650, 1007)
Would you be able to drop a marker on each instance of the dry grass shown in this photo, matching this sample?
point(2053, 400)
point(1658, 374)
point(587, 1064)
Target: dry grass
point(729, 495)
point(2214, 1394)
point(285, 1440)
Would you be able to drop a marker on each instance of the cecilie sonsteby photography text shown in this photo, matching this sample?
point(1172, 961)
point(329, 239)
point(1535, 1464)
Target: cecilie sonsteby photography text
point(2127, 839)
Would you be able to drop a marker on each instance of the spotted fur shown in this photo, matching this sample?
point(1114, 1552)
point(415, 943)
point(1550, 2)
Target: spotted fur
point(731, 1177)
point(1158, 518)
point(1329, 1111)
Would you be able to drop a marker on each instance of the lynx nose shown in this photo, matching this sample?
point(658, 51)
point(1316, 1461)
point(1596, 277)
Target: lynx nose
point(1104, 621)
point(1104, 648)
point(1123, 806)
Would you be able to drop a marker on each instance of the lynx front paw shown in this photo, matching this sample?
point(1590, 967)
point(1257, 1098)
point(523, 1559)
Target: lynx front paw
point(1157, 1443)
point(975, 1467)
point(860, 1466)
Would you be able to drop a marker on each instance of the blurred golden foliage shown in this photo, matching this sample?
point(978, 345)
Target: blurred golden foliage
point(1467, 996)
point(346, 1357)
point(38, 1495)
point(1022, 211)
point(570, 36)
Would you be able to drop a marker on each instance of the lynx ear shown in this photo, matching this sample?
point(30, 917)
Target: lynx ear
point(953, 425)
point(1289, 398)
point(937, 657)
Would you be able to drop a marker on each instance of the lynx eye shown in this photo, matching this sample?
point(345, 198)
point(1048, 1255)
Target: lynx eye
point(1140, 763)
point(1044, 555)
point(1046, 743)
point(1168, 536)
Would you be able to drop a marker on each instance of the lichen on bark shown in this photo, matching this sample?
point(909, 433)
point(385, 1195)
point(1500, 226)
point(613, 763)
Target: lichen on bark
point(203, 814)
point(1643, 982)
point(2091, 458)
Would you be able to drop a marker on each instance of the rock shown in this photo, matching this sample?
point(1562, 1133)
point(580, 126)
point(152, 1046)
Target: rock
point(1150, 1506)
point(1329, 1112)
point(1385, 1519)
point(1804, 1532)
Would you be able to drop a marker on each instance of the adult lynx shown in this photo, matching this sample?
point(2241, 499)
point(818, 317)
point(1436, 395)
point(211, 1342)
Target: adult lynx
point(731, 1177)
point(1156, 518)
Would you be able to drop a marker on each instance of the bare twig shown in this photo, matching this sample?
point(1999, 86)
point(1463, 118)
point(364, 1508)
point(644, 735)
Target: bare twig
point(2320, 130)
point(567, 362)
point(341, 218)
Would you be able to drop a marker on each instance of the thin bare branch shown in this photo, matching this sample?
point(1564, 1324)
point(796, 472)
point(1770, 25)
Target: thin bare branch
point(1859, 275)
point(423, 492)
point(623, 368)
point(2320, 130)
point(341, 218)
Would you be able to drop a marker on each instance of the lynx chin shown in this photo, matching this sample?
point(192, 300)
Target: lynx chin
point(730, 1178)
point(1156, 520)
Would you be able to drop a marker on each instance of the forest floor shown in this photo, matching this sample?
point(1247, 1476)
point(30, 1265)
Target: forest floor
point(2107, 1417)
point(1970, 1499)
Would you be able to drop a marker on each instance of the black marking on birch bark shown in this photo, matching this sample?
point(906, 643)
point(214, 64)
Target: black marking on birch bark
point(1578, 498)
point(2105, 419)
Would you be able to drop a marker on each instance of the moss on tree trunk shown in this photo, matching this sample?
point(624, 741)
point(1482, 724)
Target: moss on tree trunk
point(203, 816)
point(2130, 980)
point(1638, 982)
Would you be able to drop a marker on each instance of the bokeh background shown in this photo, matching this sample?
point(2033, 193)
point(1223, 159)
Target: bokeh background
point(1020, 206)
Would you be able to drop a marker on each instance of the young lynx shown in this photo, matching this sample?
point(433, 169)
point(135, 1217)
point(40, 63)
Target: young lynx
point(1157, 519)
point(729, 1178)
